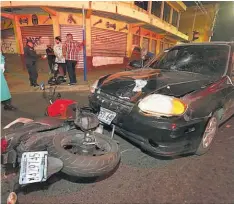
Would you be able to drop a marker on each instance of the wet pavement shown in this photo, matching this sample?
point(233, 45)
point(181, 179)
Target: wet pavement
point(139, 178)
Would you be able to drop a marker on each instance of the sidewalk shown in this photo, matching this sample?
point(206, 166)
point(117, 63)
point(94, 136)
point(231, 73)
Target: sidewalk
point(18, 81)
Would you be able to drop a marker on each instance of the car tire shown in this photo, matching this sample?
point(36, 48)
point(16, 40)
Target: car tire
point(208, 137)
point(85, 166)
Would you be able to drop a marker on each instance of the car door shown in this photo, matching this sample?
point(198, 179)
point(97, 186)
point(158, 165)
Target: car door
point(229, 98)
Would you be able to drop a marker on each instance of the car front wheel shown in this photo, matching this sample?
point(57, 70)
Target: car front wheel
point(208, 135)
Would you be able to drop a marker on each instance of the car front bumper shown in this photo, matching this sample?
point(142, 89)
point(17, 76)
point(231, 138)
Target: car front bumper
point(154, 135)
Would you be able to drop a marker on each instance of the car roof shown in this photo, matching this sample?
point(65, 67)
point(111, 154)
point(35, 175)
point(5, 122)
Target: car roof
point(208, 43)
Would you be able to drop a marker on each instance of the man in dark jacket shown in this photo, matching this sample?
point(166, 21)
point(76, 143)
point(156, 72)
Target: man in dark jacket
point(50, 57)
point(30, 60)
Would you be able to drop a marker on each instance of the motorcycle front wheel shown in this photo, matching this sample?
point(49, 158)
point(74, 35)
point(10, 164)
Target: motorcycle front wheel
point(103, 158)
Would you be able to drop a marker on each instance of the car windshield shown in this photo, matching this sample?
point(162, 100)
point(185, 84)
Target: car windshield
point(202, 59)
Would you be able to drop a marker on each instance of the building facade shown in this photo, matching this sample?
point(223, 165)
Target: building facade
point(112, 28)
point(198, 23)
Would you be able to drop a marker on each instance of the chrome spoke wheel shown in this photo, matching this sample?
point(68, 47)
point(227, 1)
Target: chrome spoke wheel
point(209, 132)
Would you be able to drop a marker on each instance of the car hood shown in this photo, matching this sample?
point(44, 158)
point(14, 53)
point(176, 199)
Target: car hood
point(134, 85)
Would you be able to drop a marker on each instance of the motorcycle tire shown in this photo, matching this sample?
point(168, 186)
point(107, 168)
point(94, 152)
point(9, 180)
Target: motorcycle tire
point(81, 165)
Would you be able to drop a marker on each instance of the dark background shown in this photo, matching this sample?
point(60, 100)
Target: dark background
point(224, 26)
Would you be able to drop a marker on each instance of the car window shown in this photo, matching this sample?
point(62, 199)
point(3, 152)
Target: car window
point(202, 59)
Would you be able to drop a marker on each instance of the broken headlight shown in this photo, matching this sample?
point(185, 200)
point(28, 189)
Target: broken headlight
point(161, 105)
point(94, 86)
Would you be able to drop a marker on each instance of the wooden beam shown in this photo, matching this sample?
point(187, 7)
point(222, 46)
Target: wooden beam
point(171, 14)
point(178, 20)
point(50, 11)
point(162, 10)
point(67, 4)
point(7, 15)
point(137, 24)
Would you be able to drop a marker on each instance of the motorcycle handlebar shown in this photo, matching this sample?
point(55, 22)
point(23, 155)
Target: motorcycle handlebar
point(51, 96)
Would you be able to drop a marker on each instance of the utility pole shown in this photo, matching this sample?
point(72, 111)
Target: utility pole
point(194, 19)
point(214, 21)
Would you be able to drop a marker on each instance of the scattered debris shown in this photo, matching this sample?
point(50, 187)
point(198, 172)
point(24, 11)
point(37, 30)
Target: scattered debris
point(139, 85)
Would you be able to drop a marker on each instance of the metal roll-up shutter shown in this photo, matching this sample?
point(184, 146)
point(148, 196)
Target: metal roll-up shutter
point(8, 41)
point(108, 43)
point(77, 33)
point(41, 35)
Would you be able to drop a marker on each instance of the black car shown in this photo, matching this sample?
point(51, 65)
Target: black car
point(175, 104)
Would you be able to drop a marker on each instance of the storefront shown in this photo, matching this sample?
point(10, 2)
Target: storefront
point(41, 36)
point(71, 23)
point(145, 39)
point(108, 41)
point(38, 29)
point(154, 46)
point(77, 33)
point(136, 40)
point(8, 41)
point(145, 43)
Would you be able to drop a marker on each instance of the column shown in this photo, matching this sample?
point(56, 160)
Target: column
point(56, 26)
point(129, 42)
point(18, 35)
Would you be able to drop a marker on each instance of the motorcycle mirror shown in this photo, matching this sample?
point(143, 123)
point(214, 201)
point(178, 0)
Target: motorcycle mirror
point(59, 95)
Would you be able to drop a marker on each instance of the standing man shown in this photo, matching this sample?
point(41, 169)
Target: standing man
point(71, 50)
point(50, 57)
point(60, 59)
point(30, 60)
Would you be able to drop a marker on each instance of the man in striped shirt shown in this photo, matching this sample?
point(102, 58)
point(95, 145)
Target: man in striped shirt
point(71, 51)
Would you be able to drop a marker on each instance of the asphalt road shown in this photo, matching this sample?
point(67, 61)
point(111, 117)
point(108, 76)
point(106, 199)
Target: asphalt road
point(139, 178)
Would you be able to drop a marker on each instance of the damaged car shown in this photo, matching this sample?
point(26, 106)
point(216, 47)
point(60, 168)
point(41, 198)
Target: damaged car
point(175, 103)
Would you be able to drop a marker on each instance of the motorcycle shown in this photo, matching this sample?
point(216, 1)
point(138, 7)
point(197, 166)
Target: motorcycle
point(60, 108)
point(56, 79)
point(45, 146)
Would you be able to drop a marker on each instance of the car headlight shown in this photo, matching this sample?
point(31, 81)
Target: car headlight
point(161, 105)
point(94, 86)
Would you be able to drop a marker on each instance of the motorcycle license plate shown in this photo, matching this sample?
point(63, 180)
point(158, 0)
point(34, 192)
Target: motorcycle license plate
point(106, 116)
point(33, 167)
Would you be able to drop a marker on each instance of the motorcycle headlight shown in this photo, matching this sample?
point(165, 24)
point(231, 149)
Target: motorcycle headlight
point(161, 105)
point(94, 86)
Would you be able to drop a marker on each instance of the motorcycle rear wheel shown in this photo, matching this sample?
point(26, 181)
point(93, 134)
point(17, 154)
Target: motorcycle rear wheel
point(78, 165)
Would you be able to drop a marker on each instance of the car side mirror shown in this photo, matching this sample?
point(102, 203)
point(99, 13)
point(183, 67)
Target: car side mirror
point(136, 64)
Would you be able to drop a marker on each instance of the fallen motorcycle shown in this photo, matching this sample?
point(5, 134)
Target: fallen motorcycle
point(71, 146)
point(58, 107)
